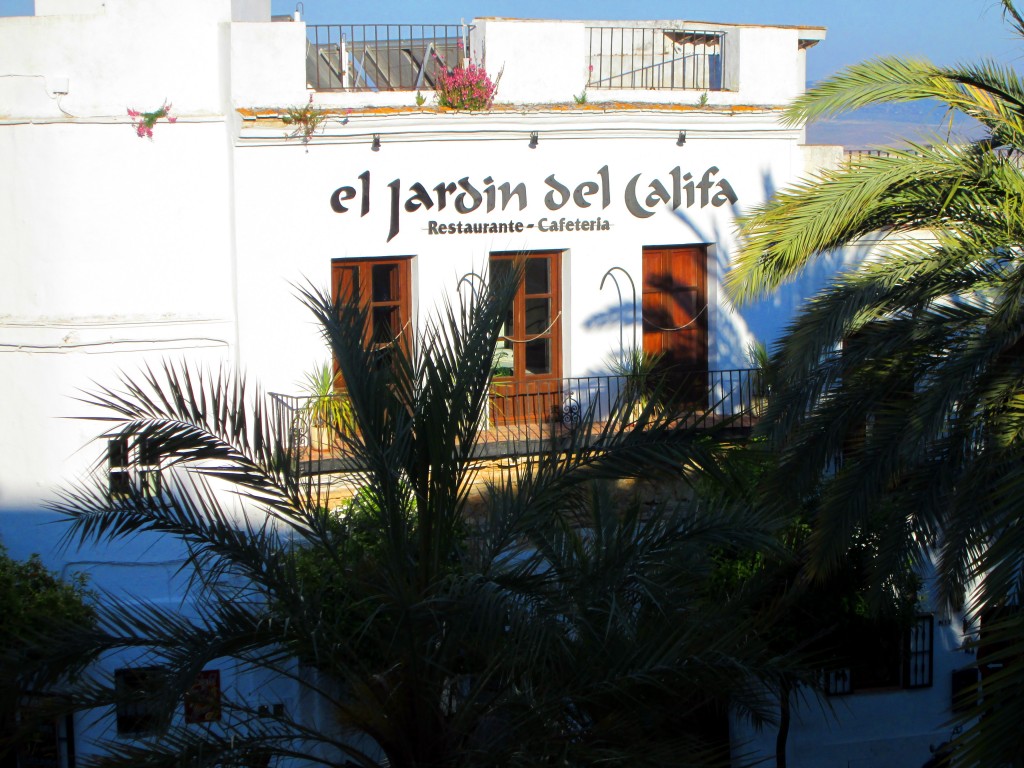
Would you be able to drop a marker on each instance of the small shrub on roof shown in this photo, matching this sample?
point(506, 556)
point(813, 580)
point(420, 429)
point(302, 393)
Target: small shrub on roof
point(466, 87)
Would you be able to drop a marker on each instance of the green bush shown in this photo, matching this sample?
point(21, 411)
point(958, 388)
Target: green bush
point(37, 608)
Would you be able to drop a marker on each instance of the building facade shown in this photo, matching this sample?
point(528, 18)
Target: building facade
point(615, 160)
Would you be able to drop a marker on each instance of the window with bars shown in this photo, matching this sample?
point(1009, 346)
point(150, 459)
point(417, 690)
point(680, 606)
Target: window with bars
point(133, 466)
point(879, 654)
point(138, 707)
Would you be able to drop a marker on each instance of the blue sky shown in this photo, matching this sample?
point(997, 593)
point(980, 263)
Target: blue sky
point(945, 31)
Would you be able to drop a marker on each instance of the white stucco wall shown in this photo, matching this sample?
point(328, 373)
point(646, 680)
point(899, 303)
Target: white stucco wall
point(770, 63)
point(250, 10)
point(287, 231)
point(268, 64)
point(547, 61)
point(119, 250)
point(538, 61)
point(131, 55)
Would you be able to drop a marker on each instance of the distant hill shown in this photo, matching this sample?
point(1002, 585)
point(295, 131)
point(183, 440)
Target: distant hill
point(892, 125)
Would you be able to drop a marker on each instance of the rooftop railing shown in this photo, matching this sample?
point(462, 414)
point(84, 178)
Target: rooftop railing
point(381, 57)
point(528, 418)
point(406, 57)
point(656, 58)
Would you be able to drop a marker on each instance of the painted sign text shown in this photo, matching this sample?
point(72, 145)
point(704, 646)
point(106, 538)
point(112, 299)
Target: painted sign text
point(641, 196)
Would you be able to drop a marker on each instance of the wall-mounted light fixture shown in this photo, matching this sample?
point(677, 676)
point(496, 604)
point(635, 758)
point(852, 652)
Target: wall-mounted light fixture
point(375, 144)
point(533, 139)
point(300, 9)
point(682, 139)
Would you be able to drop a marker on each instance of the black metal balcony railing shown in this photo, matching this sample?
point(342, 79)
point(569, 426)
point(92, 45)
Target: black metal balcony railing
point(656, 58)
point(381, 57)
point(522, 419)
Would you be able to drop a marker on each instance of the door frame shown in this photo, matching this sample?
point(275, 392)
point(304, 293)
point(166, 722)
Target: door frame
point(525, 397)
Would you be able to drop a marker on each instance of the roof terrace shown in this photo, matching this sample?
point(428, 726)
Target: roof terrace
point(96, 56)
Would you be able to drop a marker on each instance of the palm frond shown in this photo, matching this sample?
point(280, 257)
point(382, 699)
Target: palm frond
point(559, 625)
point(896, 390)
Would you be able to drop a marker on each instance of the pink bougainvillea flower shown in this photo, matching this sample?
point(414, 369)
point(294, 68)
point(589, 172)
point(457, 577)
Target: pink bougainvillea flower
point(466, 87)
point(144, 121)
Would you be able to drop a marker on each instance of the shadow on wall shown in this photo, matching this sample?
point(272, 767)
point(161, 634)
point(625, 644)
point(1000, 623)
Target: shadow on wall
point(146, 566)
point(766, 320)
point(732, 329)
point(769, 318)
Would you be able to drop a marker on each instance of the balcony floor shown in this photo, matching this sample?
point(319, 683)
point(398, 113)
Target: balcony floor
point(517, 440)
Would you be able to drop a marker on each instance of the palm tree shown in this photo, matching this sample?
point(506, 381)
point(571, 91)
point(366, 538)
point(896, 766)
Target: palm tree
point(556, 628)
point(898, 391)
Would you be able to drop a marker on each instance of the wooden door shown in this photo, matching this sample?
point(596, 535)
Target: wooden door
point(527, 386)
point(675, 316)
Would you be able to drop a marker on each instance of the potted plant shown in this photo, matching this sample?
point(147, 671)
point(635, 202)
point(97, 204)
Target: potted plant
point(759, 360)
point(327, 412)
point(639, 371)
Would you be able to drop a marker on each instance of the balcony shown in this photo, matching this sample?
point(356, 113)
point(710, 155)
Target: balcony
point(655, 58)
point(381, 57)
point(525, 419)
point(405, 57)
